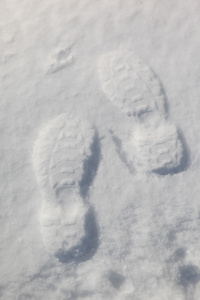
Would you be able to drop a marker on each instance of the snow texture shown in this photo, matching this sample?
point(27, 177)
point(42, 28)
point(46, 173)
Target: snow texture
point(100, 156)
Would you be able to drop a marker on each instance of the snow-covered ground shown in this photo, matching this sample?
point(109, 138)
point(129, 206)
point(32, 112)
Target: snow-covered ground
point(100, 156)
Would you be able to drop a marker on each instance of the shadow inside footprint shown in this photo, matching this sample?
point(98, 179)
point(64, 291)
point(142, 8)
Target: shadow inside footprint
point(185, 160)
point(122, 155)
point(177, 256)
point(116, 279)
point(88, 245)
point(188, 275)
point(90, 166)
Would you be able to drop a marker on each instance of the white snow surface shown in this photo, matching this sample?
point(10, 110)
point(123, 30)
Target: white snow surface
point(135, 200)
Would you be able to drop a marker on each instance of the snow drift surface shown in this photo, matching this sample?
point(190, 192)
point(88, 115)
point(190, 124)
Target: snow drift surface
point(100, 151)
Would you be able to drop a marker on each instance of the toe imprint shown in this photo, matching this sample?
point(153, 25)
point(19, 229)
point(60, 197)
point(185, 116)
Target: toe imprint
point(130, 84)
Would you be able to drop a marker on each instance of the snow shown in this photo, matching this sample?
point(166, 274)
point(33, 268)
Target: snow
point(137, 224)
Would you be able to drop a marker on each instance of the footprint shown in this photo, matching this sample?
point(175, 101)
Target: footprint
point(62, 162)
point(7, 56)
point(154, 143)
point(61, 60)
